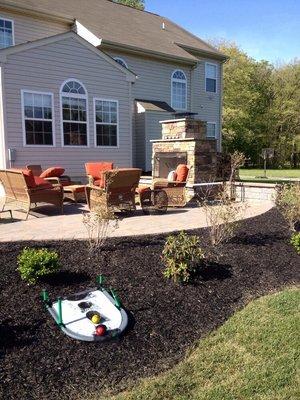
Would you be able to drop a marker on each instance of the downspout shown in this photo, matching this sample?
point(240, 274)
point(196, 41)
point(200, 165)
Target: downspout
point(131, 121)
point(221, 108)
point(192, 87)
point(3, 139)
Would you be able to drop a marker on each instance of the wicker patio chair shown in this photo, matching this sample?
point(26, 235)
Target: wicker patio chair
point(118, 193)
point(21, 188)
point(95, 170)
point(175, 190)
point(63, 180)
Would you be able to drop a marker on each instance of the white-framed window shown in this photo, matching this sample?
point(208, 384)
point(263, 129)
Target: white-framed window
point(6, 33)
point(106, 122)
point(74, 111)
point(211, 130)
point(121, 62)
point(37, 111)
point(211, 78)
point(179, 90)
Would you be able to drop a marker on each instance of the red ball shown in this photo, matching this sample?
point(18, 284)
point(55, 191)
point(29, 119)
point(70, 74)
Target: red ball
point(101, 330)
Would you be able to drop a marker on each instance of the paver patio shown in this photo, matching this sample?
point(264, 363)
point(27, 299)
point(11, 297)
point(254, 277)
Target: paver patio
point(45, 224)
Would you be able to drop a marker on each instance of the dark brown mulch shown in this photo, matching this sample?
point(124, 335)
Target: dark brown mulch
point(40, 362)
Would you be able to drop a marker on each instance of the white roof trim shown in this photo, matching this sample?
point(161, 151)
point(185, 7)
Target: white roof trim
point(4, 53)
point(82, 31)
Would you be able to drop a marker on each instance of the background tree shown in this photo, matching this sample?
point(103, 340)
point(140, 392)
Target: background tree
point(261, 107)
point(139, 4)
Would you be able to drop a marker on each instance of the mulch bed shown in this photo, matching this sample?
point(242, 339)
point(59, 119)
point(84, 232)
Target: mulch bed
point(39, 362)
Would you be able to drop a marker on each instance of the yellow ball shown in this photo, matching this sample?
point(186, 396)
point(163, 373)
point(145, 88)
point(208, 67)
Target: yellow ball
point(96, 319)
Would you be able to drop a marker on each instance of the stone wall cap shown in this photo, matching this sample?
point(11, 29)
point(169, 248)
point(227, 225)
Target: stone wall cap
point(177, 140)
point(168, 121)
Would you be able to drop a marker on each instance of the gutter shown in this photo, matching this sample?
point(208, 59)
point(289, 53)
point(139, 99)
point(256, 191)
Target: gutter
point(107, 44)
point(204, 53)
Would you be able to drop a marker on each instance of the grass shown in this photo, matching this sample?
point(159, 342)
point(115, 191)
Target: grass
point(246, 173)
point(254, 355)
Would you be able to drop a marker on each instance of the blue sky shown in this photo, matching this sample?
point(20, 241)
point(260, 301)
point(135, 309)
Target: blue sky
point(265, 29)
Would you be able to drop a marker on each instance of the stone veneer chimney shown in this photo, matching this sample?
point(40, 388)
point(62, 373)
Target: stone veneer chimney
point(184, 141)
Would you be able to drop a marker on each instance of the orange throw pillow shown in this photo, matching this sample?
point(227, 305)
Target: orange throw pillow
point(29, 178)
point(52, 172)
point(182, 173)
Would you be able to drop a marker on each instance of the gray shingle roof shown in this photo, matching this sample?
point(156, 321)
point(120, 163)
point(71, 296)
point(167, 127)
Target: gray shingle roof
point(155, 105)
point(123, 25)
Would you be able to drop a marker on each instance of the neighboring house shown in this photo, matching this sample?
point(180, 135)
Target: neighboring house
point(90, 80)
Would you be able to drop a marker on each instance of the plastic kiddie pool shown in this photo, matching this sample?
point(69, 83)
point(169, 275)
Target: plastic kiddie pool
point(74, 315)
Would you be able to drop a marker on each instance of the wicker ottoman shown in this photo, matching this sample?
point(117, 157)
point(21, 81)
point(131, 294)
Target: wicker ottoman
point(75, 193)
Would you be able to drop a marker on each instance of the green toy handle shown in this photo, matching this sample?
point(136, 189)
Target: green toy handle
point(60, 319)
point(100, 281)
point(116, 298)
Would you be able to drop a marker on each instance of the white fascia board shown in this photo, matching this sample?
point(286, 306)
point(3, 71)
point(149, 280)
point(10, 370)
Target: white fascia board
point(140, 108)
point(86, 34)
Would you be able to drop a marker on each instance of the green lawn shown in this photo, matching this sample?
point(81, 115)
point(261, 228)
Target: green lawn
point(271, 173)
point(253, 356)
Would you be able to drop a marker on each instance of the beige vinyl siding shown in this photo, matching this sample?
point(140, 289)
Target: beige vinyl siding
point(139, 142)
point(154, 77)
point(44, 69)
point(153, 131)
point(27, 29)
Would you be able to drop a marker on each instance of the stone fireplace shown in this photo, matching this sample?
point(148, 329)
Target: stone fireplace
point(184, 142)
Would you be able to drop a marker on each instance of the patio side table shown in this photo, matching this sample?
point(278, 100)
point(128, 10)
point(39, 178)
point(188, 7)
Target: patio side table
point(75, 193)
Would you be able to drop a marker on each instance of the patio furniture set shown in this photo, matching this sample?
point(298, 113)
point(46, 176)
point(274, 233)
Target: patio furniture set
point(114, 188)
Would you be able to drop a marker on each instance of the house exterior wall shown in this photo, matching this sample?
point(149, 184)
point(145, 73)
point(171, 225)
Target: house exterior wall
point(44, 69)
point(28, 28)
point(154, 83)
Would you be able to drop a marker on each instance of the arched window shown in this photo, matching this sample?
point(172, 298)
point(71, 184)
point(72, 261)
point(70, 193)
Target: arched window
point(74, 113)
point(121, 62)
point(179, 90)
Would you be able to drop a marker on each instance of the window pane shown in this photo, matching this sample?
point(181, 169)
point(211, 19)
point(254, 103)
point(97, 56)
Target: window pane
point(211, 85)
point(75, 134)
point(73, 87)
point(38, 112)
point(106, 135)
point(29, 112)
point(211, 71)
point(179, 95)
point(38, 132)
point(211, 130)
point(6, 34)
point(28, 99)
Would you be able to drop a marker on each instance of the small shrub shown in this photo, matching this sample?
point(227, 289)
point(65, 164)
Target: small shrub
point(35, 263)
point(288, 202)
point(223, 218)
point(295, 241)
point(181, 255)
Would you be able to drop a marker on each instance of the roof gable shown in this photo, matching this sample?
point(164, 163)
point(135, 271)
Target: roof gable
point(4, 53)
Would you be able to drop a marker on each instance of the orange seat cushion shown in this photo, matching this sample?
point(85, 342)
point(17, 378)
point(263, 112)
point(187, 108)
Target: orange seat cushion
point(42, 183)
point(182, 173)
point(96, 169)
point(52, 172)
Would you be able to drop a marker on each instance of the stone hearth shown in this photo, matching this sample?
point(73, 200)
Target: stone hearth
point(184, 141)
